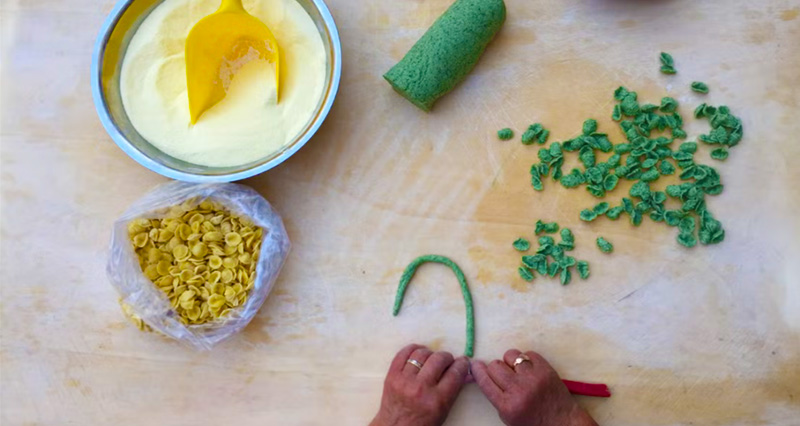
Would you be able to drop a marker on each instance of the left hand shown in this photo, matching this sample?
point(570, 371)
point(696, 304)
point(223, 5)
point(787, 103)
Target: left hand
point(415, 396)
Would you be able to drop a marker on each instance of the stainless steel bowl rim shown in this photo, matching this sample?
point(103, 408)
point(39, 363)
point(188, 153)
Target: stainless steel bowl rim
point(128, 148)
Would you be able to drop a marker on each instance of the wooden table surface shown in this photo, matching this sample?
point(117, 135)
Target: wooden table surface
point(707, 336)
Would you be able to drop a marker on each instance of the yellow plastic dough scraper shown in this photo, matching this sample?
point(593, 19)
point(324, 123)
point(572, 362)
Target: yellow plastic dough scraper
point(217, 46)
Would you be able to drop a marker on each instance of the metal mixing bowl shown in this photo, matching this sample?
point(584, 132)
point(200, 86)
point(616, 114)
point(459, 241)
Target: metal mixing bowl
point(109, 50)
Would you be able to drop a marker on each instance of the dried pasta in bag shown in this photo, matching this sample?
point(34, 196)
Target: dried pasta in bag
point(196, 261)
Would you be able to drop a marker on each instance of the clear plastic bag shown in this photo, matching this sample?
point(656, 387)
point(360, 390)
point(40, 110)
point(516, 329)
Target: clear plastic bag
point(141, 297)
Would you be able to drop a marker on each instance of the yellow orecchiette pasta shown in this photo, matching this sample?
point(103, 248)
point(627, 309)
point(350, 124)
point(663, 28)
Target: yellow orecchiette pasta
point(135, 319)
point(201, 256)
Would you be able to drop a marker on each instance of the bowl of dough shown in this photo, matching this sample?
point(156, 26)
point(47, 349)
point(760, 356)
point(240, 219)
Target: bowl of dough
point(139, 86)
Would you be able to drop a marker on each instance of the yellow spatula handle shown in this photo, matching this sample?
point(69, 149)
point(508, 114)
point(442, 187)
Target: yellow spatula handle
point(231, 6)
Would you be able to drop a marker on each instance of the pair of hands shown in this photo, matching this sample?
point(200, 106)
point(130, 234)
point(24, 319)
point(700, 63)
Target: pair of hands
point(530, 394)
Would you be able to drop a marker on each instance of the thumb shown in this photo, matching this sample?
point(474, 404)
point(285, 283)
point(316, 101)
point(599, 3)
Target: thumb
point(485, 382)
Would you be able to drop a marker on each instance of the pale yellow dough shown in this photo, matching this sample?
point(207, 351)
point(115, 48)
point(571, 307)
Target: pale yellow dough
point(248, 125)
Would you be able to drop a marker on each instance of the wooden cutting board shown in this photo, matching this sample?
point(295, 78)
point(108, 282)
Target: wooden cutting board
point(705, 336)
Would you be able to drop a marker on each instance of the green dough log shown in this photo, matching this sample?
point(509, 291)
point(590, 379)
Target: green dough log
point(462, 280)
point(447, 52)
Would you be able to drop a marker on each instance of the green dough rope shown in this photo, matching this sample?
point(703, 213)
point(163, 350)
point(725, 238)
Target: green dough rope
point(447, 52)
point(462, 280)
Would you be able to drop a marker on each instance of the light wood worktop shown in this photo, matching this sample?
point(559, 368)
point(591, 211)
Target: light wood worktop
point(707, 336)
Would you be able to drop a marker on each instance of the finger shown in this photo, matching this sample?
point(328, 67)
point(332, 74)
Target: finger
point(470, 378)
point(399, 360)
point(435, 366)
point(540, 365)
point(420, 355)
point(501, 374)
point(537, 359)
point(455, 376)
point(511, 356)
point(538, 362)
point(489, 388)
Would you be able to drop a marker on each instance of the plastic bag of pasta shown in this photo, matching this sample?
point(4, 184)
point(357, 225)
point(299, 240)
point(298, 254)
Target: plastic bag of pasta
point(195, 262)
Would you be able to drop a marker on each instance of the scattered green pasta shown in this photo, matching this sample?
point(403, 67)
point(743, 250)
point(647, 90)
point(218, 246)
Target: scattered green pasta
point(565, 276)
point(647, 154)
point(547, 228)
point(687, 224)
point(408, 274)
point(726, 129)
point(711, 231)
point(604, 245)
point(567, 240)
point(688, 147)
point(649, 158)
point(525, 273)
point(535, 133)
point(704, 110)
point(588, 215)
point(543, 136)
point(668, 104)
point(551, 258)
point(583, 269)
point(667, 63)
point(546, 240)
point(719, 154)
point(687, 239)
point(589, 127)
point(616, 114)
point(528, 137)
point(666, 168)
point(614, 212)
point(610, 182)
point(536, 178)
point(699, 87)
point(505, 134)
point(521, 244)
point(600, 209)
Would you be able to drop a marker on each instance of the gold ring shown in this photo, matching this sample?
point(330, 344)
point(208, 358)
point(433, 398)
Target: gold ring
point(415, 363)
point(520, 359)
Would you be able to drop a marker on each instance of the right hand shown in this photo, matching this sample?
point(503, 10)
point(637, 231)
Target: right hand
point(531, 394)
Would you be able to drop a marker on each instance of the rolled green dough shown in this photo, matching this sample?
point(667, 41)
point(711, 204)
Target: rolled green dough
point(447, 52)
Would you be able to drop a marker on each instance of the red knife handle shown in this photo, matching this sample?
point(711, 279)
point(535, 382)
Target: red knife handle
point(587, 389)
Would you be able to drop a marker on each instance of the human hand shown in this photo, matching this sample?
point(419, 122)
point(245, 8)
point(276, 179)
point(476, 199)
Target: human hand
point(530, 394)
point(420, 396)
